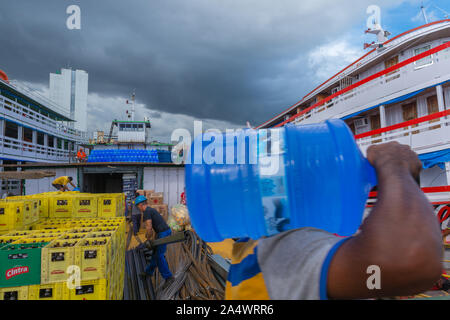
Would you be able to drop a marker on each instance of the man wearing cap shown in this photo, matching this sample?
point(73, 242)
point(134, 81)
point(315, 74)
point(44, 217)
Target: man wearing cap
point(153, 221)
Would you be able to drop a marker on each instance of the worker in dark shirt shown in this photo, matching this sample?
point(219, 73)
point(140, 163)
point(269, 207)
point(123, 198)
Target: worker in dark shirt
point(153, 222)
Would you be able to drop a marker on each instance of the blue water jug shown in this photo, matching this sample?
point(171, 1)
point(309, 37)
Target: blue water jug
point(260, 183)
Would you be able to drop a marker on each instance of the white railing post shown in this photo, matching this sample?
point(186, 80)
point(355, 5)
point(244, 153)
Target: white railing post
point(447, 171)
point(383, 121)
point(440, 98)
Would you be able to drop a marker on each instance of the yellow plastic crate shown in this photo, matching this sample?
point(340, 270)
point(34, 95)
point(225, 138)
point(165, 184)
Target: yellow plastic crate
point(72, 236)
point(14, 293)
point(43, 207)
point(8, 239)
point(93, 256)
point(85, 206)
point(11, 215)
point(90, 290)
point(33, 240)
point(30, 209)
point(110, 205)
point(53, 291)
point(81, 230)
point(55, 260)
point(61, 206)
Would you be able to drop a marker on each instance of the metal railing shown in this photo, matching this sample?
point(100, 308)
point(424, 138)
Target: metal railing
point(377, 86)
point(25, 115)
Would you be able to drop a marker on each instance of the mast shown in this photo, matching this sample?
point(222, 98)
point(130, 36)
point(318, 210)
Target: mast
point(131, 113)
point(424, 13)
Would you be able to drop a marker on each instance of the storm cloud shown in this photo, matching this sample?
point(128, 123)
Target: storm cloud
point(231, 61)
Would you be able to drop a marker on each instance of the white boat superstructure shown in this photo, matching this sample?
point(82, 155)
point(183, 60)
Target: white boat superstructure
point(399, 91)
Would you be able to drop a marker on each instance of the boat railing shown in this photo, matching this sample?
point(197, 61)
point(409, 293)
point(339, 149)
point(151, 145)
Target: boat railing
point(34, 152)
point(375, 53)
point(27, 116)
point(378, 86)
point(427, 133)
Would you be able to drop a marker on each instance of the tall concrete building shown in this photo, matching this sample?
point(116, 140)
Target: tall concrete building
point(69, 89)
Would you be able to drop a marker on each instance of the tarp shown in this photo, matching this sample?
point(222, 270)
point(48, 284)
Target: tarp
point(437, 158)
point(31, 174)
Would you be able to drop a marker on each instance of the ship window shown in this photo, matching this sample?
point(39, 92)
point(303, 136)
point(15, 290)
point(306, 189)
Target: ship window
point(66, 145)
point(425, 61)
point(128, 127)
point(58, 143)
point(11, 130)
point(391, 62)
point(50, 141)
point(40, 138)
point(27, 135)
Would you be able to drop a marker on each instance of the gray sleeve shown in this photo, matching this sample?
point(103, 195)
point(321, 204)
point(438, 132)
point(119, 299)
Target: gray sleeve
point(291, 263)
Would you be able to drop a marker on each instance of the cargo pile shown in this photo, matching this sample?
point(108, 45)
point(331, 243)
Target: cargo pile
point(21, 212)
point(197, 274)
point(40, 264)
point(156, 201)
point(62, 246)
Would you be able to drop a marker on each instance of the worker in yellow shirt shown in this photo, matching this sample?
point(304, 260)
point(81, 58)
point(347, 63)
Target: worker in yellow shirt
point(62, 182)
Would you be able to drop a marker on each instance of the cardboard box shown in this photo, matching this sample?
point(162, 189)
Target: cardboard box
point(148, 193)
point(163, 210)
point(155, 200)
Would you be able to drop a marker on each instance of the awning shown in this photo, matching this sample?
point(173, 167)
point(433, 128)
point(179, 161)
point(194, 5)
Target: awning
point(437, 158)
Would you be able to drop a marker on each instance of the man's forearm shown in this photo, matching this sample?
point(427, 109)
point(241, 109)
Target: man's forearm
point(401, 235)
point(402, 218)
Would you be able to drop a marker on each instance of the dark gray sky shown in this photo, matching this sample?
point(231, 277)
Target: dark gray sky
point(228, 61)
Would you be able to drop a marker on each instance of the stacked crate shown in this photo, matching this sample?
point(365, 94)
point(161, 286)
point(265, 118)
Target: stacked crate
point(18, 213)
point(38, 261)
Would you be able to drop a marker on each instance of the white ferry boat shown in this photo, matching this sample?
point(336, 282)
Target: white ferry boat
point(33, 129)
point(398, 91)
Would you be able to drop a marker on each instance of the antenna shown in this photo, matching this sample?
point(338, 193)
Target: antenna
point(424, 13)
point(132, 104)
point(446, 14)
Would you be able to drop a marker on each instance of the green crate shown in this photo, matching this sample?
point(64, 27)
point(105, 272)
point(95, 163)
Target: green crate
point(20, 264)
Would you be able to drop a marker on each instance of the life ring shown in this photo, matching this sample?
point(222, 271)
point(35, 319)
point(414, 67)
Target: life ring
point(443, 214)
point(3, 76)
